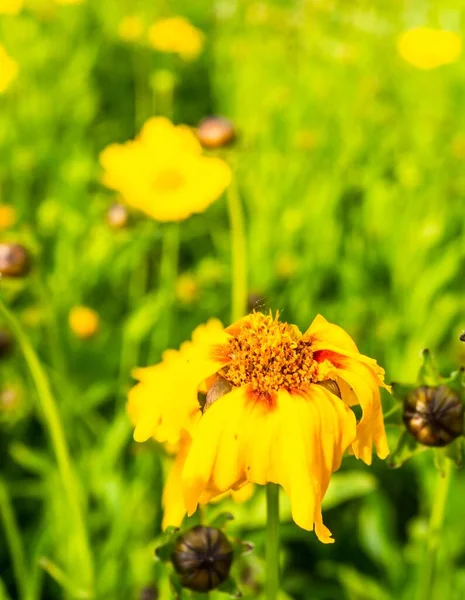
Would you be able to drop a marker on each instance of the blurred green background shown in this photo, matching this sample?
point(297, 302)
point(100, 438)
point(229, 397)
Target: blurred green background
point(350, 166)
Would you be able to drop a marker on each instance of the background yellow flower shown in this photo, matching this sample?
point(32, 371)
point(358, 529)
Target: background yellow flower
point(83, 322)
point(11, 7)
point(8, 70)
point(131, 28)
point(428, 48)
point(163, 172)
point(176, 35)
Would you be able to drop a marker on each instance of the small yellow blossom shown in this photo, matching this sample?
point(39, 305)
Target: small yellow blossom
point(176, 35)
point(68, 2)
point(83, 322)
point(427, 48)
point(11, 7)
point(8, 70)
point(8, 216)
point(163, 172)
point(276, 408)
point(187, 288)
point(131, 28)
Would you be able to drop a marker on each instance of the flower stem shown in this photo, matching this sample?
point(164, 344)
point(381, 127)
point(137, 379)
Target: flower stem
point(238, 252)
point(272, 542)
point(167, 283)
point(13, 540)
point(53, 422)
point(428, 567)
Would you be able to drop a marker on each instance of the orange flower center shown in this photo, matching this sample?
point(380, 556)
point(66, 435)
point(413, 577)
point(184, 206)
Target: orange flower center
point(169, 180)
point(270, 355)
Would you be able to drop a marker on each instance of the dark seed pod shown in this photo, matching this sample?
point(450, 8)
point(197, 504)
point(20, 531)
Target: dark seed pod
point(215, 132)
point(331, 386)
point(202, 557)
point(6, 343)
point(117, 216)
point(462, 337)
point(149, 592)
point(14, 260)
point(434, 415)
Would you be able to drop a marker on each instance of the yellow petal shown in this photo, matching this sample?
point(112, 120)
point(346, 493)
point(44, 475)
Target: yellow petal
point(297, 443)
point(165, 401)
point(174, 508)
point(325, 334)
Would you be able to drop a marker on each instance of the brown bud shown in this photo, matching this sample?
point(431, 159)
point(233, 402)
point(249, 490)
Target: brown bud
point(215, 132)
point(434, 415)
point(14, 260)
point(331, 386)
point(117, 216)
point(149, 592)
point(202, 557)
point(6, 343)
point(218, 389)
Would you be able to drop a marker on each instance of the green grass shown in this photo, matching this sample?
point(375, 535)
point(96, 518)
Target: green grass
point(350, 167)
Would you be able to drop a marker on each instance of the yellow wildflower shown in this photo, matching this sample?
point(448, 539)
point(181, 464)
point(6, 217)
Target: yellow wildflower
point(11, 7)
point(8, 70)
point(163, 172)
point(428, 48)
point(68, 2)
point(131, 28)
point(176, 35)
point(8, 216)
point(277, 409)
point(187, 288)
point(83, 322)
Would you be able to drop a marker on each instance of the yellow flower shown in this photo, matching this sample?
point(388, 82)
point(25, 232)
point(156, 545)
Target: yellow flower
point(68, 2)
point(7, 216)
point(277, 409)
point(8, 70)
point(176, 35)
point(187, 288)
point(131, 28)
point(11, 7)
point(428, 48)
point(83, 322)
point(163, 172)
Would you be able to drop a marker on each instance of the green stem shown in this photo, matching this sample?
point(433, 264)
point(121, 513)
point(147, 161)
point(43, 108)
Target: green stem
point(58, 439)
point(238, 253)
point(428, 567)
point(167, 283)
point(13, 539)
point(272, 542)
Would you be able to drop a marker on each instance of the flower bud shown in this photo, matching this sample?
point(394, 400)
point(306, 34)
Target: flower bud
point(202, 557)
point(6, 343)
point(149, 592)
point(215, 132)
point(434, 415)
point(117, 216)
point(14, 260)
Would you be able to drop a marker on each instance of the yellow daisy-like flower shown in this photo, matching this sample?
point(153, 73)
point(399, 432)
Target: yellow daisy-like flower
point(427, 48)
point(163, 172)
point(178, 36)
point(83, 322)
point(8, 70)
point(131, 28)
point(277, 409)
point(8, 216)
point(11, 7)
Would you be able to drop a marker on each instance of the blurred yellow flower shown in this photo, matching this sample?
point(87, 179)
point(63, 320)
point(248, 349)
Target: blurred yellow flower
point(8, 216)
point(8, 70)
point(131, 28)
point(276, 408)
point(69, 2)
point(83, 322)
point(187, 288)
point(11, 7)
point(163, 172)
point(428, 48)
point(176, 35)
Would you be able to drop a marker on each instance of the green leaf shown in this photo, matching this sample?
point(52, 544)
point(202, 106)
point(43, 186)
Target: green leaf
point(407, 447)
point(230, 587)
point(220, 520)
point(429, 373)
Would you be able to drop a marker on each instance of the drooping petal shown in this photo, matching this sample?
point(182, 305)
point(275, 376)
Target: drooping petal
point(359, 384)
point(174, 508)
point(324, 334)
point(165, 401)
point(297, 442)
